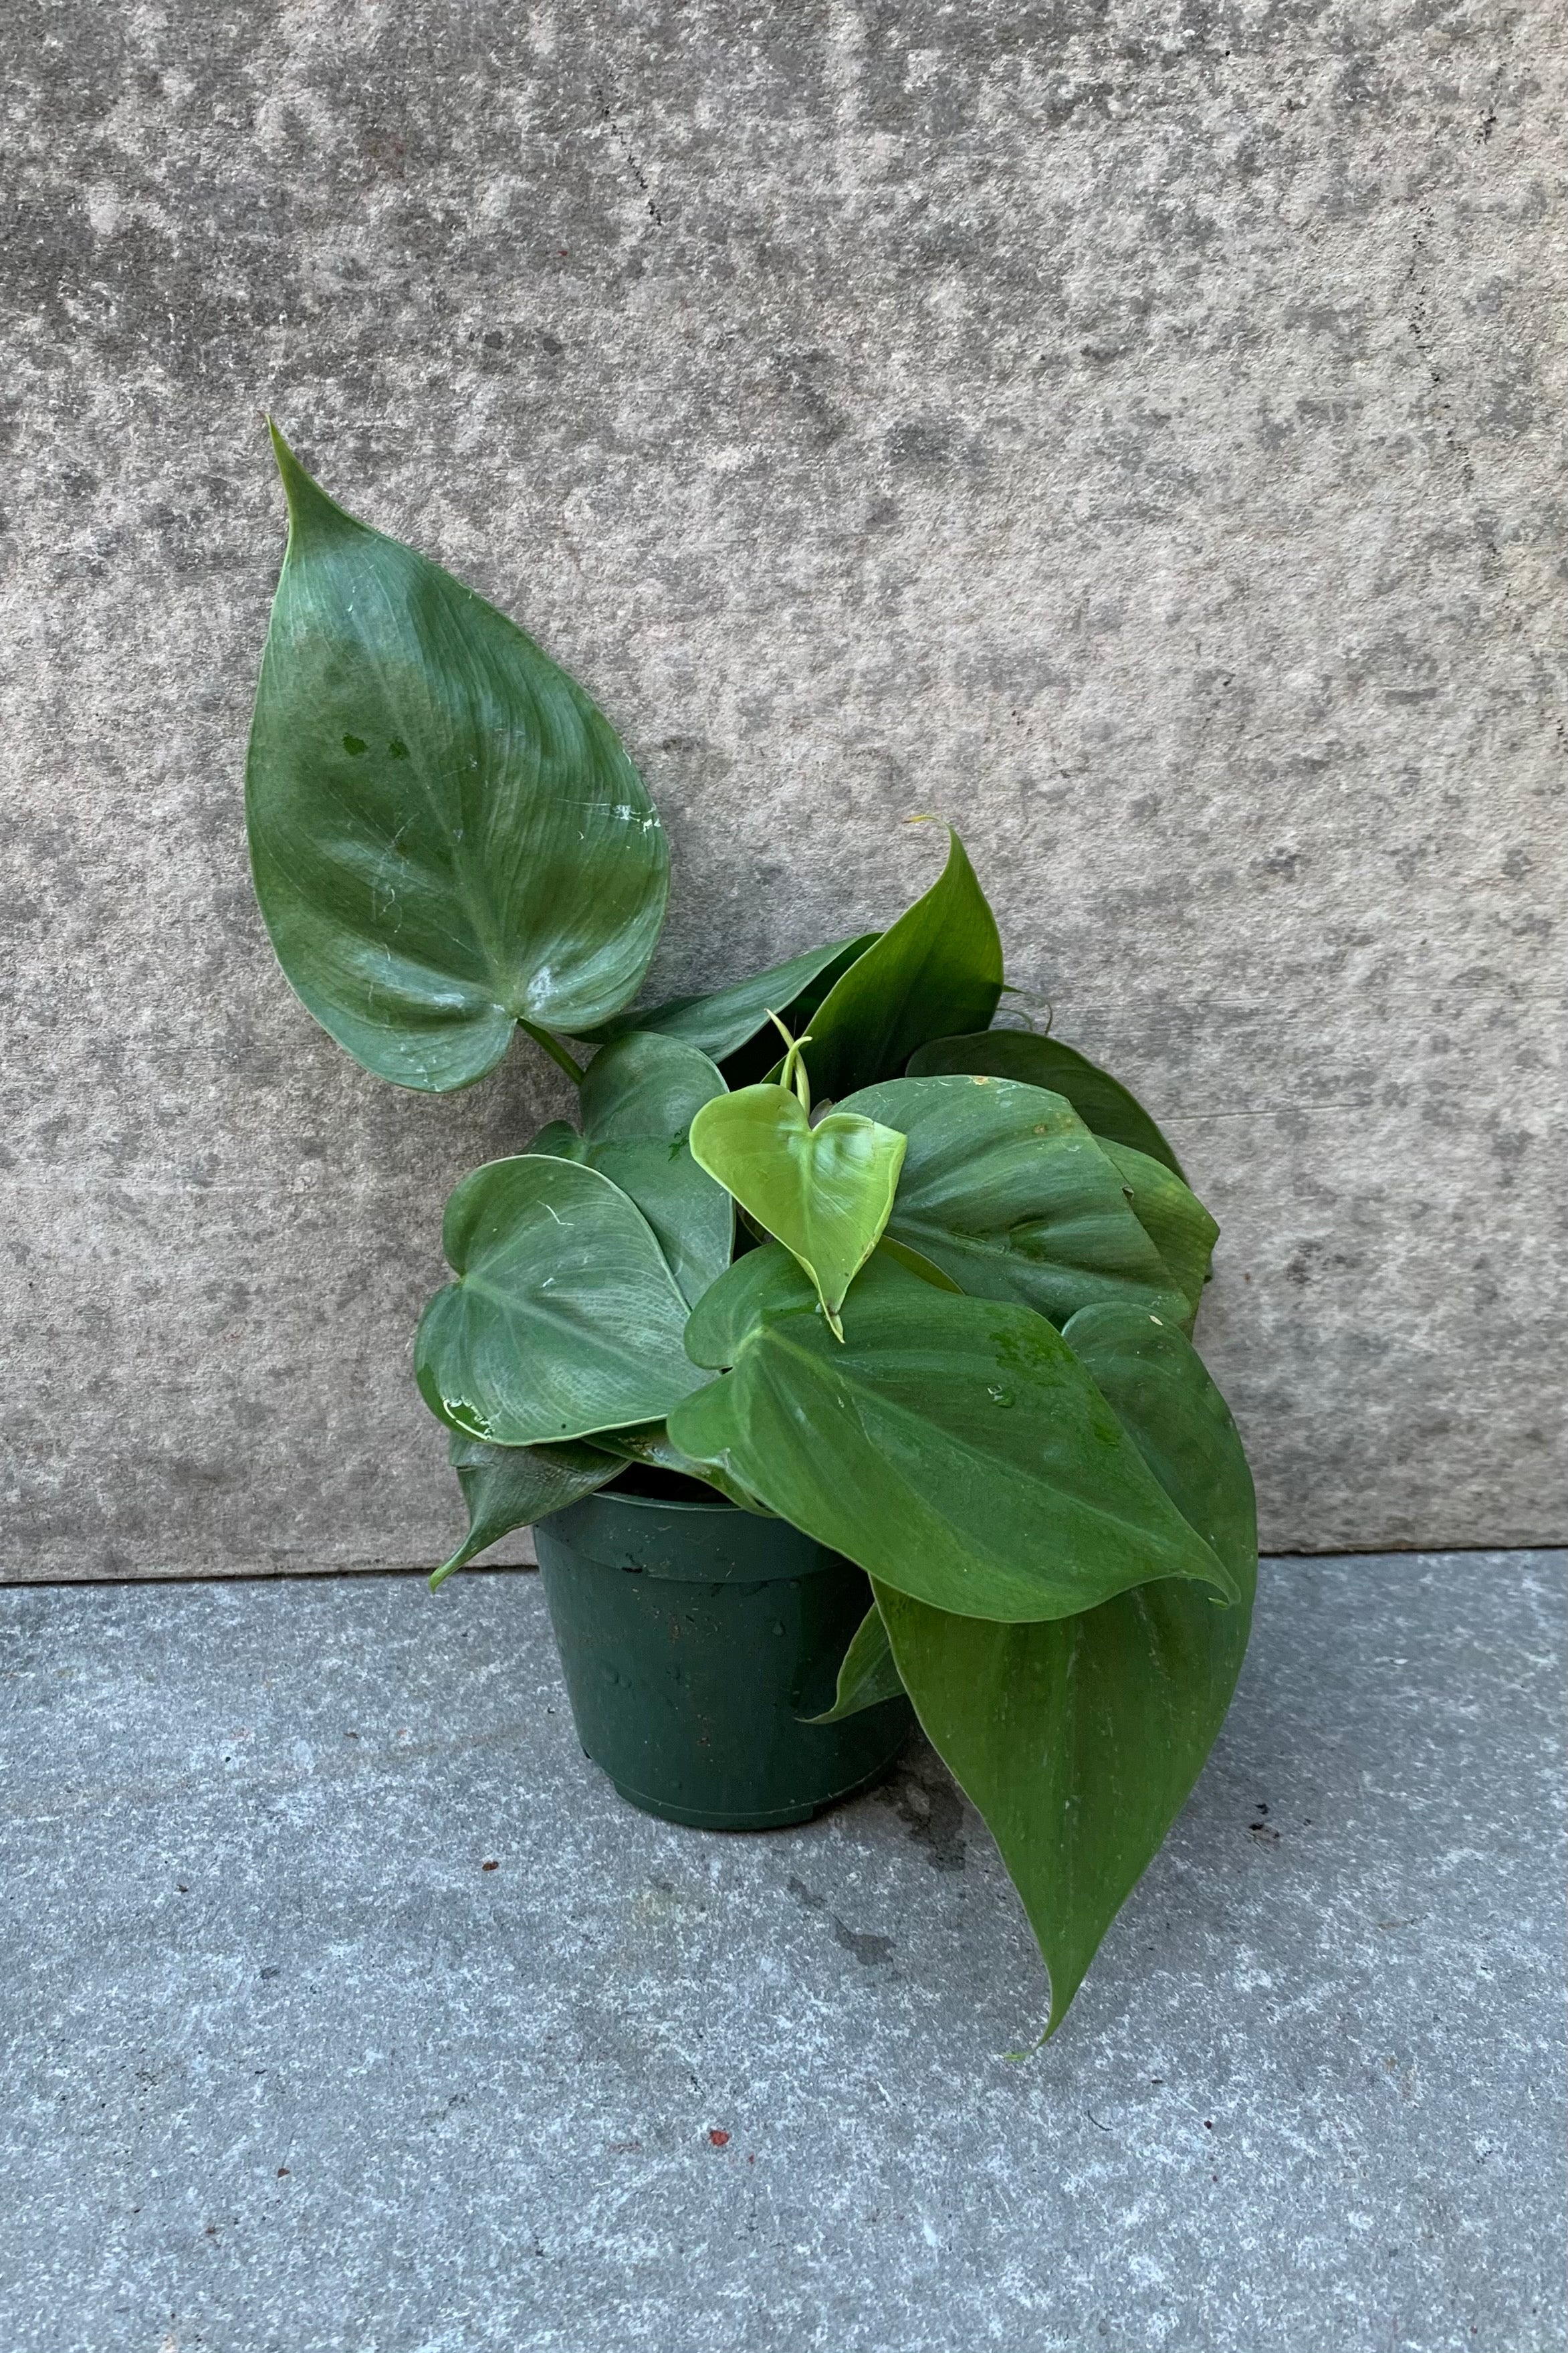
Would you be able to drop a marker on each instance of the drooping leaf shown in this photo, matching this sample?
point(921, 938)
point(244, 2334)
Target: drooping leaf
point(447, 835)
point(936, 971)
point(638, 1101)
point(823, 1191)
point(954, 1447)
point(564, 1318)
point(1006, 1189)
point(867, 1674)
point(1102, 1103)
point(1174, 1220)
point(508, 1487)
point(1080, 1740)
point(722, 1023)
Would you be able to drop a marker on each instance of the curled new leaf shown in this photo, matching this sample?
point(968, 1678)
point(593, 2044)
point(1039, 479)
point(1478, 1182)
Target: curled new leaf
point(823, 1191)
point(447, 835)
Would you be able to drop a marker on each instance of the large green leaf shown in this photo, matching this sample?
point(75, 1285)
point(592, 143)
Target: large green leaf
point(508, 1487)
point(823, 1191)
point(1174, 1220)
point(1080, 1740)
point(722, 1023)
point(638, 1101)
point(954, 1447)
point(446, 834)
point(937, 970)
point(1004, 1188)
point(564, 1317)
point(1102, 1103)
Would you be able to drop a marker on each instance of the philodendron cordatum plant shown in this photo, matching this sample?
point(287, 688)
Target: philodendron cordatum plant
point(825, 1239)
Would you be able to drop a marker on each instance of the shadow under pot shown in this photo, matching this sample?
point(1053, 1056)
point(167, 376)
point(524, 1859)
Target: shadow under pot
point(696, 1639)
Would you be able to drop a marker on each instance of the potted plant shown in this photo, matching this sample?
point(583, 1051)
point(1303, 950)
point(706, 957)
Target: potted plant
point(840, 1352)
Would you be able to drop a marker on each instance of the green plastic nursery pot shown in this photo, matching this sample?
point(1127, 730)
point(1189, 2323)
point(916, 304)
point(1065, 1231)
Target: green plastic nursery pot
point(695, 1639)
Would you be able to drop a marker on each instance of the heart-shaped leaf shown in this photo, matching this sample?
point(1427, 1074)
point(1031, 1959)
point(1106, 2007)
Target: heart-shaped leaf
point(728, 1019)
point(638, 1101)
point(823, 1191)
point(1006, 1189)
point(954, 1447)
point(1102, 1103)
point(446, 834)
point(1079, 1739)
point(564, 1318)
point(938, 970)
point(508, 1487)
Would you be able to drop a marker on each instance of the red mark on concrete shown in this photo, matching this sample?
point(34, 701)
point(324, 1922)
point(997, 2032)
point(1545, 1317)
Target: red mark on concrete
point(720, 2139)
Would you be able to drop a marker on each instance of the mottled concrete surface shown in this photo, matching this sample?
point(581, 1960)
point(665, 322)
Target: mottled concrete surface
point(1129, 430)
point(348, 2008)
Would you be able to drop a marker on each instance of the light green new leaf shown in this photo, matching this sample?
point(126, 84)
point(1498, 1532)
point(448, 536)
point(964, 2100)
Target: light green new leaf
point(564, 1318)
point(954, 1447)
point(1080, 1740)
point(867, 1674)
point(1174, 1220)
point(728, 1019)
point(1006, 1189)
point(1102, 1103)
point(446, 834)
point(823, 1191)
point(508, 1487)
point(638, 1101)
point(936, 971)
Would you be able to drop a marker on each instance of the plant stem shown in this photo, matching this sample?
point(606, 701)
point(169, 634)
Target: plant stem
point(556, 1051)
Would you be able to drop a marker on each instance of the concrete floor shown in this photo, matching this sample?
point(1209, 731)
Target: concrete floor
point(348, 2008)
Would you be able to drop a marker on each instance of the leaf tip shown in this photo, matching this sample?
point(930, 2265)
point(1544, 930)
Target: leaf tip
point(303, 492)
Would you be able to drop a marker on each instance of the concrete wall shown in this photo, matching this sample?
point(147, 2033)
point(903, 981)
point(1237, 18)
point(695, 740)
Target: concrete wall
point(1123, 429)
